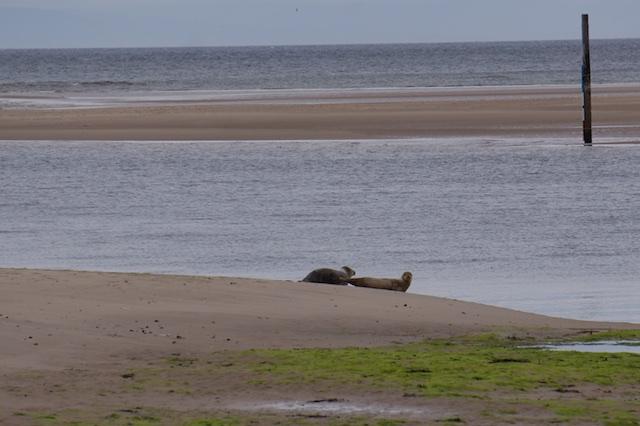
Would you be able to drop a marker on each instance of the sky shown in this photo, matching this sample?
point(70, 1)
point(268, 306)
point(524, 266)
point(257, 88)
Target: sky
point(145, 23)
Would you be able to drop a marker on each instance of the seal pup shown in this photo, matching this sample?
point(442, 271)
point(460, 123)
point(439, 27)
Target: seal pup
point(330, 276)
point(384, 283)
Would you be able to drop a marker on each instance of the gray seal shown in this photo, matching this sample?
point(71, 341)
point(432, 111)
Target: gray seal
point(384, 283)
point(330, 276)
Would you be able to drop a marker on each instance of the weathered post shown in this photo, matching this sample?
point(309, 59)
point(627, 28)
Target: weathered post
point(586, 82)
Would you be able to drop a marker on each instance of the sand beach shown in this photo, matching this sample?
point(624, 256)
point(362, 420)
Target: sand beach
point(87, 316)
point(70, 338)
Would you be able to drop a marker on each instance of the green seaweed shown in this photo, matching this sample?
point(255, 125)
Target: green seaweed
point(438, 368)
point(609, 335)
point(508, 383)
point(227, 421)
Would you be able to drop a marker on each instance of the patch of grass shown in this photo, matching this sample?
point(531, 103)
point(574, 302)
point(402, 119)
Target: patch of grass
point(390, 422)
point(128, 418)
point(602, 411)
point(609, 335)
point(226, 421)
point(144, 421)
point(623, 419)
point(44, 418)
point(473, 368)
point(507, 383)
point(568, 409)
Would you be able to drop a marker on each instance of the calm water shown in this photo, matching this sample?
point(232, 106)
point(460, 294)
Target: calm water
point(611, 346)
point(117, 71)
point(544, 226)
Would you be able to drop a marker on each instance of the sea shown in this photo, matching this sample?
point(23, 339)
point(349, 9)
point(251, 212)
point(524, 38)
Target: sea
point(82, 77)
point(540, 224)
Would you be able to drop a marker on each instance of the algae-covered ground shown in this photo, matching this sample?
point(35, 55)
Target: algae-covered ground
point(487, 379)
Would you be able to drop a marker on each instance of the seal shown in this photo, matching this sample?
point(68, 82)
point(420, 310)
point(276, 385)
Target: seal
point(384, 283)
point(330, 276)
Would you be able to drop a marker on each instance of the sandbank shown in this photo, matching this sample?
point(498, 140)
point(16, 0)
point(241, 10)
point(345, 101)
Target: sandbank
point(72, 343)
point(503, 112)
point(95, 317)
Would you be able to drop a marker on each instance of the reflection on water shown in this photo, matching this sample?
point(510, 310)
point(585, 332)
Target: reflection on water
point(544, 226)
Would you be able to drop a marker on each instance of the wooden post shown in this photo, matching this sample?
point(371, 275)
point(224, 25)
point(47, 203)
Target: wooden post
point(586, 82)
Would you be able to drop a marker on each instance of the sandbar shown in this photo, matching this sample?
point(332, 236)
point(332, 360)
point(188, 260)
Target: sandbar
point(95, 317)
point(73, 342)
point(501, 112)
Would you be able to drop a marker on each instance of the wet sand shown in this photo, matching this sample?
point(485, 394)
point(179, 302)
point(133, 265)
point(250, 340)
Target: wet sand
point(544, 111)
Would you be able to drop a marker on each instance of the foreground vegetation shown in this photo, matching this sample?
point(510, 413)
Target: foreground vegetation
point(473, 368)
point(480, 380)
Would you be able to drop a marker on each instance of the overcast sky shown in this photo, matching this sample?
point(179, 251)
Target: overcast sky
point(128, 23)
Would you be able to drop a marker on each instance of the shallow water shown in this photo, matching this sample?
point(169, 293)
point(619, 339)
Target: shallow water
point(341, 407)
point(540, 225)
point(597, 347)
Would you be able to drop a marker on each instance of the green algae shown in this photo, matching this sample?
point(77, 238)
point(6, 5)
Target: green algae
point(512, 383)
point(446, 369)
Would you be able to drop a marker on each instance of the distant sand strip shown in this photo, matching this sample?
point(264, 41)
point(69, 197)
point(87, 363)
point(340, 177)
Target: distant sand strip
point(63, 319)
point(544, 111)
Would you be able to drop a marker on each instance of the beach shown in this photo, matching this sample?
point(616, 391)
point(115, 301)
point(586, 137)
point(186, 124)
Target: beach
point(87, 317)
point(69, 338)
point(121, 348)
point(158, 205)
point(489, 112)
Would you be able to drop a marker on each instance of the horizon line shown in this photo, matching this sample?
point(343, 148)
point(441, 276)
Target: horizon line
point(313, 44)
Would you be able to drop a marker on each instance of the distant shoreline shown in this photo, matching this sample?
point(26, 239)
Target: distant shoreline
point(519, 111)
